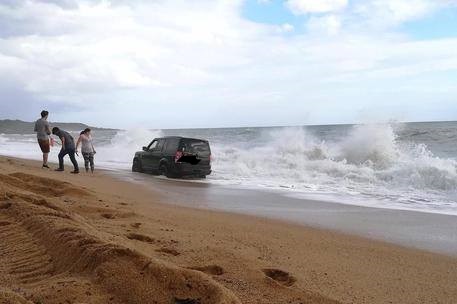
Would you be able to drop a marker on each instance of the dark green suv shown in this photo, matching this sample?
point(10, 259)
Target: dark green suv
point(174, 157)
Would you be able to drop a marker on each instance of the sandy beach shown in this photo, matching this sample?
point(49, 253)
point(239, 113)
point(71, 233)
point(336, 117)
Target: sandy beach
point(408, 228)
point(98, 239)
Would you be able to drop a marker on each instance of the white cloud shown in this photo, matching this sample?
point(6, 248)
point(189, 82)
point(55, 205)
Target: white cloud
point(129, 60)
point(328, 24)
point(105, 46)
point(382, 13)
point(286, 28)
point(315, 6)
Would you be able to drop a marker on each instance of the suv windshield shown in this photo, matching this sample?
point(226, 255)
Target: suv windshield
point(195, 146)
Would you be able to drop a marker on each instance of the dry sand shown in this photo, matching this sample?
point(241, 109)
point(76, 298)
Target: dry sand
point(95, 239)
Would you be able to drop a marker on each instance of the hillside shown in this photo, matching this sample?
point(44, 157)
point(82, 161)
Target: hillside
point(9, 126)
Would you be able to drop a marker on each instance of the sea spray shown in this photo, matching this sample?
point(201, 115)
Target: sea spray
point(122, 147)
point(368, 159)
point(370, 145)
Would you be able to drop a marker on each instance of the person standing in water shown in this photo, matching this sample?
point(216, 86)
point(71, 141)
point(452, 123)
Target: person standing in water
point(43, 132)
point(87, 149)
point(68, 147)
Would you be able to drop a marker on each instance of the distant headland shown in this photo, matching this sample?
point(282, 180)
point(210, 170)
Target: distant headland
point(15, 126)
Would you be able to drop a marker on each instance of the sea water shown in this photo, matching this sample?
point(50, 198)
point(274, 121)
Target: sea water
point(409, 166)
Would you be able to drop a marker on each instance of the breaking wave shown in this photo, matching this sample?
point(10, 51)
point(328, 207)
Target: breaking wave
point(369, 160)
point(118, 153)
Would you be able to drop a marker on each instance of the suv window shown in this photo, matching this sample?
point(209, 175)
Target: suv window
point(153, 144)
point(156, 145)
point(171, 145)
point(196, 146)
point(160, 145)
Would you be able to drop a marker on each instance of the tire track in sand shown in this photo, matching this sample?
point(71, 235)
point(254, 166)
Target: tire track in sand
point(26, 261)
point(42, 241)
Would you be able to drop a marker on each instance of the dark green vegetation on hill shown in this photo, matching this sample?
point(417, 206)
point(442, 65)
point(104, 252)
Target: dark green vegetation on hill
point(9, 126)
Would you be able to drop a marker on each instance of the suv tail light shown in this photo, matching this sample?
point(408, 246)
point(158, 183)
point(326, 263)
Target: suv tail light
point(178, 155)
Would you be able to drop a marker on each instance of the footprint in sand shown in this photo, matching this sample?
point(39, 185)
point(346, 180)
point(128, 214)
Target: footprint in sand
point(108, 216)
point(135, 225)
point(169, 251)
point(185, 301)
point(5, 205)
point(210, 269)
point(45, 203)
point(140, 237)
point(279, 276)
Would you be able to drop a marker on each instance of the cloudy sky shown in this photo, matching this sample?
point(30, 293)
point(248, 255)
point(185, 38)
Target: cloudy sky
point(212, 63)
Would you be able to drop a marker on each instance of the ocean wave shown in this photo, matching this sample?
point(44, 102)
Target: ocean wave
point(122, 147)
point(369, 158)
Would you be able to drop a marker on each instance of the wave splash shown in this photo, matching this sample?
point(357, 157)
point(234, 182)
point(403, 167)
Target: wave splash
point(122, 147)
point(369, 159)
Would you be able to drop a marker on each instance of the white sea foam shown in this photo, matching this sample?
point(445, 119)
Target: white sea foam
point(119, 152)
point(369, 162)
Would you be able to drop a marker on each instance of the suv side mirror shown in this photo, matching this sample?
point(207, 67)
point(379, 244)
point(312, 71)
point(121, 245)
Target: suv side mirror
point(145, 149)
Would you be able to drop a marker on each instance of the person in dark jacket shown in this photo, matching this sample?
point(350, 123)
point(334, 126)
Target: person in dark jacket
point(68, 147)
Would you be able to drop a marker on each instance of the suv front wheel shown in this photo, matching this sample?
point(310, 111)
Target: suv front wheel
point(137, 166)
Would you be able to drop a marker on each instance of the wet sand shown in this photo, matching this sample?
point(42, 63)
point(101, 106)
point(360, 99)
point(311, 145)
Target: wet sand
point(427, 231)
point(97, 239)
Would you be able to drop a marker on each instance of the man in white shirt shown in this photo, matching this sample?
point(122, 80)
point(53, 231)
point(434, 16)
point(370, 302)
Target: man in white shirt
point(43, 131)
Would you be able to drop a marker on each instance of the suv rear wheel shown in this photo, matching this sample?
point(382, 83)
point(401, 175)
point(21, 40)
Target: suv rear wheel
point(164, 170)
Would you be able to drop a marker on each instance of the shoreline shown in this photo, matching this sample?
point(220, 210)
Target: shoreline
point(416, 229)
point(434, 232)
point(257, 260)
point(327, 198)
point(434, 200)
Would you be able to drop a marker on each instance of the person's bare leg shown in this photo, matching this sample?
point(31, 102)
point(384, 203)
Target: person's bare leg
point(45, 159)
